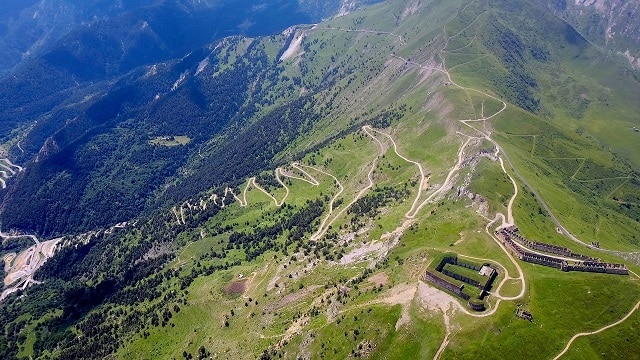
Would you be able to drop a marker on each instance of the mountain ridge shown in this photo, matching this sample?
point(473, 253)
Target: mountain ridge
point(609, 23)
point(395, 136)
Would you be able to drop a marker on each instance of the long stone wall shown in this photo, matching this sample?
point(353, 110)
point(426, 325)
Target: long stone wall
point(467, 265)
point(446, 260)
point(455, 261)
point(437, 280)
point(549, 248)
point(545, 261)
point(586, 263)
point(607, 268)
point(462, 278)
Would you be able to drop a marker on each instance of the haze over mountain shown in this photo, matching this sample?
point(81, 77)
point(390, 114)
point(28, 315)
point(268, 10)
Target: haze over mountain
point(611, 24)
point(131, 33)
point(85, 75)
point(232, 179)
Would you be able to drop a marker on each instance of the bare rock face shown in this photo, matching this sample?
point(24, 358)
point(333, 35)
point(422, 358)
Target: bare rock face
point(600, 5)
point(612, 24)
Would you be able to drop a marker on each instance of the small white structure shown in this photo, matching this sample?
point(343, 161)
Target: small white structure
point(486, 270)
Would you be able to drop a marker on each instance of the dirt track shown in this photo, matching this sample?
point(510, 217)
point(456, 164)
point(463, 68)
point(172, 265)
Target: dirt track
point(7, 170)
point(24, 265)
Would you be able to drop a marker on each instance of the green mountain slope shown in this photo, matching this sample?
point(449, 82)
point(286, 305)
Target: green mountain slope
point(82, 98)
point(362, 151)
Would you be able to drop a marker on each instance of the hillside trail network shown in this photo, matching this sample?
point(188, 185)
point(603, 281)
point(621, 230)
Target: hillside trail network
point(419, 203)
point(308, 174)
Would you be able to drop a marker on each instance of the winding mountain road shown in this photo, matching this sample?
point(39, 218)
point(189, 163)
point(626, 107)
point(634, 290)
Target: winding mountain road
point(576, 336)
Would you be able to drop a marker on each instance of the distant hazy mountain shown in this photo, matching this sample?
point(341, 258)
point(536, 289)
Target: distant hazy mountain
point(76, 69)
point(31, 28)
point(54, 45)
point(85, 70)
point(613, 24)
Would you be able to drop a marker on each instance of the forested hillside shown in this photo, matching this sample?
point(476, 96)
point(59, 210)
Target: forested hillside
point(86, 111)
point(414, 179)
